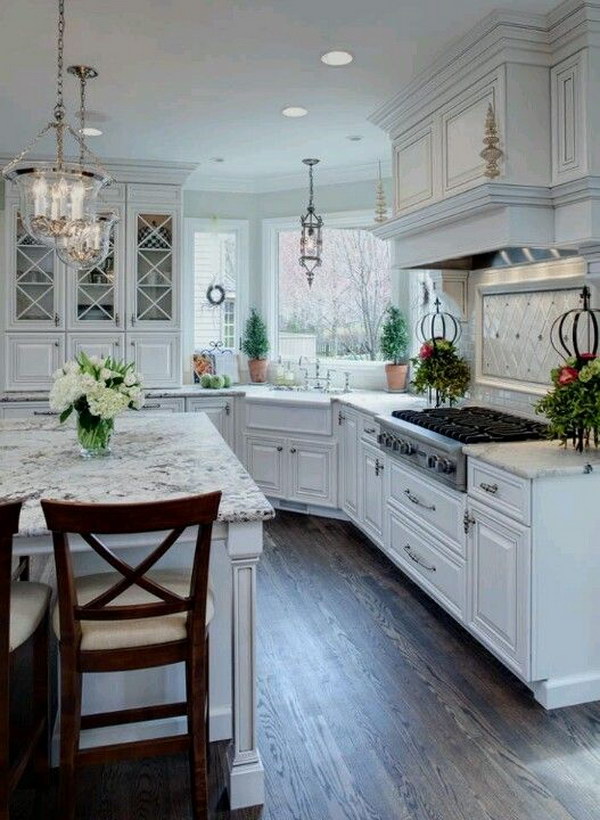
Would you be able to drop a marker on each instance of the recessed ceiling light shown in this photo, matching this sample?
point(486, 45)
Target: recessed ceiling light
point(90, 132)
point(337, 58)
point(294, 111)
point(354, 137)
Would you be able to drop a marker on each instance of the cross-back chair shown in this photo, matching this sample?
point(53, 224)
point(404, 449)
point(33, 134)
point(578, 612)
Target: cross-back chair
point(23, 617)
point(134, 617)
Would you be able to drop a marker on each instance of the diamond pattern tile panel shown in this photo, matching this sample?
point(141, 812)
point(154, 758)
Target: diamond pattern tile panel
point(516, 333)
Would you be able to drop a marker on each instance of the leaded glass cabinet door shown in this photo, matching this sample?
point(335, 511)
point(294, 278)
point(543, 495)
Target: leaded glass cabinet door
point(155, 274)
point(36, 294)
point(96, 295)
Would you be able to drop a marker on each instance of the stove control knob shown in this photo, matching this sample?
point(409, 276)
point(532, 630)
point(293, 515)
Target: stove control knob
point(406, 448)
point(396, 444)
point(432, 462)
point(389, 440)
point(444, 465)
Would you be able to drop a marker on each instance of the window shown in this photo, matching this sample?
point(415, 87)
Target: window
point(215, 273)
point(340, 317)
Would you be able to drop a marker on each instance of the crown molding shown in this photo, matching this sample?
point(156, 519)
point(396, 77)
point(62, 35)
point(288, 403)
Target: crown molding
point(126, 170)
point(365, 172)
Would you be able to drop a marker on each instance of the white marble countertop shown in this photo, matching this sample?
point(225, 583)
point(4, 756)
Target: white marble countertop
point(153, 457)
point(536, 459)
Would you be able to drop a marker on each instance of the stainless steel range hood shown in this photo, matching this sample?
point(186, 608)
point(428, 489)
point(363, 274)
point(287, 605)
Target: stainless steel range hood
point(504, 258)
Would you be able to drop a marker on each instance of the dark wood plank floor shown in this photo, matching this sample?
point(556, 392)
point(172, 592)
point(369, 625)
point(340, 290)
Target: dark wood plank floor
point(374, 705)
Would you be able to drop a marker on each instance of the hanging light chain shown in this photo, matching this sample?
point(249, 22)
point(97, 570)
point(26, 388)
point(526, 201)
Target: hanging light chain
point(310, 188)
point(83, 79)
point(59, 108)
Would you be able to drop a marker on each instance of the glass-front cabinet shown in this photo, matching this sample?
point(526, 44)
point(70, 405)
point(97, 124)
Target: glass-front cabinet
point(154, 257)
point(36, 287)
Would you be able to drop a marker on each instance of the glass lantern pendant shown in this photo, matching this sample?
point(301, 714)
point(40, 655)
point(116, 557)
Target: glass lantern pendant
point(89, 245)
point(57, 197)
point(311, 241)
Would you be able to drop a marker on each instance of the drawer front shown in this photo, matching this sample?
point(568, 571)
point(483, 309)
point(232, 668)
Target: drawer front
point(289, 417)
point(22, 410)
point(369, 429)
point(426, 562)
point(502, 491)
point(430, 504)
point(174, 405)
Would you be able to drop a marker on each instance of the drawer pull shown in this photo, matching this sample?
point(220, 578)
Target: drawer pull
point(44, 413)
point(489, 488)
point(418, 502)
point(414, 557)
point(370, 430)
point(151, 406)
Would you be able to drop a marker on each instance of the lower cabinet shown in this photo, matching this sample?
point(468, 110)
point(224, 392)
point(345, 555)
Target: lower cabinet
point(220, 411)
point(32, 358)
point(293, 469)
point(372, 508)
point(348, 438)
point(24, 409)
point(499, 566)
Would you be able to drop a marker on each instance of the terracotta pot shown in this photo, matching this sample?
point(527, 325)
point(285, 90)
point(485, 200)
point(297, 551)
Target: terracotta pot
point(258, 370)
point(396, 376)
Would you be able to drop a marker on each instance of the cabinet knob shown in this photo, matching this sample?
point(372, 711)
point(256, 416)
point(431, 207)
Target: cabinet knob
point(56, 319)
point(133, 318)
point(117, 320)
point(227, 409)
point(292, 449)
point(56, 344)
point(117, 343)
point(279, 449)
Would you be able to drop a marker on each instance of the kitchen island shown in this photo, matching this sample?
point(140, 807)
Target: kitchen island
point(158, 457)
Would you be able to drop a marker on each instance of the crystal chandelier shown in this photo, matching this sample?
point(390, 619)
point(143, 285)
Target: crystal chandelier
point(57, 198)
point(88, 244)
point(311, 241)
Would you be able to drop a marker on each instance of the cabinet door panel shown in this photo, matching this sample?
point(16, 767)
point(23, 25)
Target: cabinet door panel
point(500, 586)
point(312, 473)
point(96, 344)
point(462, 129)
point(265, 459)
point(219, 411)
point(32, 359)
point(372, 512)
point(157, 358)
point(414, 169)
point(348, 423)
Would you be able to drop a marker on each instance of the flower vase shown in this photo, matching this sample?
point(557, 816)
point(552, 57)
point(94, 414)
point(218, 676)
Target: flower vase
point(93, 434)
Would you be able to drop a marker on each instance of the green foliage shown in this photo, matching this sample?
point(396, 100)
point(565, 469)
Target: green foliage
point(256, 341)
point(439, 367)
point(394, 336)
point(572, 407)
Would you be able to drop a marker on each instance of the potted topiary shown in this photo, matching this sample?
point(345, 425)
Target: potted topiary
point(394, 342)
point(256, 347)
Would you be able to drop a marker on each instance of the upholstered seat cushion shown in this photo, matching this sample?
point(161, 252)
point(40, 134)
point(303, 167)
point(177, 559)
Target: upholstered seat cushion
point(28, 603)
point(98, 635)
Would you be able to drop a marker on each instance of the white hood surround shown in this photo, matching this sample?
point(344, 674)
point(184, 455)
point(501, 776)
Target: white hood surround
point(541, 73)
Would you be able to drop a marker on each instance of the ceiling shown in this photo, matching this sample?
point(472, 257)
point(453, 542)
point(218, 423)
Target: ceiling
point(189, 80)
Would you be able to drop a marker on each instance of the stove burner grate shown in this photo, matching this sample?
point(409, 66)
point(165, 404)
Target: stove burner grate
point(474, 425)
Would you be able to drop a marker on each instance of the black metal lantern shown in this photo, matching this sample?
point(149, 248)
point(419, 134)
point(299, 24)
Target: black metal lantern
point(575, 334)
point(311, 241)
point(438, 325)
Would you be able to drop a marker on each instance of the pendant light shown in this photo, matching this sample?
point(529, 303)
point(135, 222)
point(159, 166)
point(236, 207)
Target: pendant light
point(57, 197)
point(311, 241)
point(88, 244)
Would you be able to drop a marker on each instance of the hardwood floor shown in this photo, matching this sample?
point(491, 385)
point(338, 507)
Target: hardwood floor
point(374, 705)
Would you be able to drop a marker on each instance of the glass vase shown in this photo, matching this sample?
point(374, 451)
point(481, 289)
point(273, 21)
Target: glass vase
point(93, 434)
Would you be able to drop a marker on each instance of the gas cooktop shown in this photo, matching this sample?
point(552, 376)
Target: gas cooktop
point(474, 425)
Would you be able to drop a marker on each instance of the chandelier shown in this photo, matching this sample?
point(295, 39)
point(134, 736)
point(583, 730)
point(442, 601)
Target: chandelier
point(311, 241)
point(57, 199)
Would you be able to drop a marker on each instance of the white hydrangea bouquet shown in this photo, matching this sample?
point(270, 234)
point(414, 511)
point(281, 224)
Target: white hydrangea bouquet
point(96, 389)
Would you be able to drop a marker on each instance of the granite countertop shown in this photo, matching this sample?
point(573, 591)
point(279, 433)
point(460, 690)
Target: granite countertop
point(40, 458)
point(536, 459)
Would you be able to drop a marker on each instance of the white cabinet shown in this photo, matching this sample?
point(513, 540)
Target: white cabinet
point(96, 344)
point(348, 437)
point(294, 469)
point(220, 411)
point(312, 473)
point(372, 465)
point(32, 358)
point(25, 409)
point(157, 357)
point(500, 581)
point(265, 460)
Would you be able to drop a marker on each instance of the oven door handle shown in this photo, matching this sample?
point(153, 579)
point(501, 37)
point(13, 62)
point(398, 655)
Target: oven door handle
point(418, 501)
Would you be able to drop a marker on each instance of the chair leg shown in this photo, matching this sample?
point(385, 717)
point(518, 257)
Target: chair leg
point(41, 757)
point(70, 724)
point(196, 700)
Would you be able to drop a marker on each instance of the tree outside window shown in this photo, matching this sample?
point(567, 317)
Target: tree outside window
point(342, 314)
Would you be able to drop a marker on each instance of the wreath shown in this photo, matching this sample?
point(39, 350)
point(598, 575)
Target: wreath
point(215, 294)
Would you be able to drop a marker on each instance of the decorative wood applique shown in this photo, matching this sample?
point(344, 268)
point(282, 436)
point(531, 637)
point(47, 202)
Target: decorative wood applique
point(491, 154)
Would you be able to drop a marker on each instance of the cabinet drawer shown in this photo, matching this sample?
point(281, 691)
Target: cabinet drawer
point(174, 405)
point(507, 493)
point(369, 429)
point(427, 562)
point(25, 409)
point(430, 504)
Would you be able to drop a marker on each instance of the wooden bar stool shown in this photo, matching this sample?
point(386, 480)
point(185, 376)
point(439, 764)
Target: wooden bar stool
point(133, 618)
point(23, 616)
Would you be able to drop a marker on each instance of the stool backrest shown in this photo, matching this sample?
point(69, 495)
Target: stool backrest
point(90, 520)
point(9, 526)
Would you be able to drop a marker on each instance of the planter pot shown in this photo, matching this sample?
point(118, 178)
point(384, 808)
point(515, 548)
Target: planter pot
point(258, 370)
point(396, 376)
